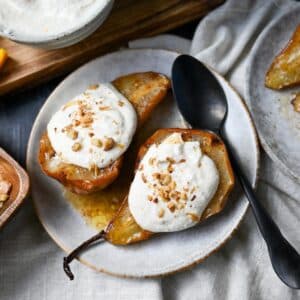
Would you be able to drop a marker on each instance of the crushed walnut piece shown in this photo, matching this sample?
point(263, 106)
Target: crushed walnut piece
point(76, 147)
point(161, 213)
point(152, 161)
point(120, 103)
point(171, 206)
point(194, 217)
point(75, 122)
point(108, 144)
point(97, 142)
point(144, 178)
point(71, 132)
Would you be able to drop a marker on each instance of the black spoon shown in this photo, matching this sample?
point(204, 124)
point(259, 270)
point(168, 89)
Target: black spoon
point(203, 104)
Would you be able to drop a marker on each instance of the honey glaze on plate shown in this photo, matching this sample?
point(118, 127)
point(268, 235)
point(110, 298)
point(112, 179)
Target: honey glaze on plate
point(98, 208)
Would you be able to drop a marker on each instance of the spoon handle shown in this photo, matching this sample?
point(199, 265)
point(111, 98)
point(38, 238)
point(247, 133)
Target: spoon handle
point(281, 252)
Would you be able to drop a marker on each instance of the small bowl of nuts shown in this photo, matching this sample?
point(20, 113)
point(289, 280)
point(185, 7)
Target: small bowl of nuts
point(14, 186)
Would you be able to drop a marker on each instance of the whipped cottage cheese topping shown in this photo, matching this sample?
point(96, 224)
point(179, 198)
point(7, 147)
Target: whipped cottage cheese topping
point(173, 185)
point(93, 129)
point(46, 18)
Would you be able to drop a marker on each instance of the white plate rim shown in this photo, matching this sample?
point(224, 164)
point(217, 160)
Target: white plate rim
point(196, 261)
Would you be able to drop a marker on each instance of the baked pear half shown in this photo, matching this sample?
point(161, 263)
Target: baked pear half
point(285, 69)
point(124, 230)
point(144, 91)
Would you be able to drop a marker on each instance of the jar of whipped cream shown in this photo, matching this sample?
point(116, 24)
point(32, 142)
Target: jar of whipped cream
point(51, 23)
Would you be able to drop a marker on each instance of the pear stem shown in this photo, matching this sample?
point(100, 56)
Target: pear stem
point(68, 259)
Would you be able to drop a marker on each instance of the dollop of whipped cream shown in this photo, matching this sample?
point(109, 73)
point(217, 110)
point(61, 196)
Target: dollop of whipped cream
point(93, 129)
point(173, 185)
point(45, 18)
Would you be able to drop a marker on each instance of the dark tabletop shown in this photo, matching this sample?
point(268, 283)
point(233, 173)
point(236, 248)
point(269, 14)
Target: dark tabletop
point(18, 112)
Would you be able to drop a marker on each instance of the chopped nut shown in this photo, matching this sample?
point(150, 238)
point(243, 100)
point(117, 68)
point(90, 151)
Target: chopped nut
point(3, 197)
point(122, 146)
point(180, 205)
point(152, 161)
point(171, 206)
point(76, 147)
point(183, 196)
point(108, 143)
point(72, 134)
point(75, 122)
point(86, 120)
point(91, 134)
point(144, 178)
point(182, 160)
point(165, 179)
point(172, 185)
point(194, 217)
point(104, 107)
point(170, 160)
point(93, 86)
point(155, 200)
point(193, 198)
point(150, 198)
point(170, 168)
point(121, 103)
point(156, 175)
point(161, 213)
point(97, 142)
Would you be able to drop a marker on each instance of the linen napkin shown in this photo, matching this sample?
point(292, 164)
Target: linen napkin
point(30, 262)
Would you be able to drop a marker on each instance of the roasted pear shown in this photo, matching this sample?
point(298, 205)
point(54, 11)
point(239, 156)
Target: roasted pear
point(145, 91)
point(285, 69)
point(123, 230)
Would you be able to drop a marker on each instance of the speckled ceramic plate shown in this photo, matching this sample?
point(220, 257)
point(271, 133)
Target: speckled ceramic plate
point(277, 123)
point(165, 253)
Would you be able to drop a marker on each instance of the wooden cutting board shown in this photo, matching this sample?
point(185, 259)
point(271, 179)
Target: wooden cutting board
point(130, 19)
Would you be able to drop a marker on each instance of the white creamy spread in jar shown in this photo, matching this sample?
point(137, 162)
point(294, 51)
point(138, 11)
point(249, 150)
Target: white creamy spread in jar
point(173, 185)
point(93, 129)
point(38, 19)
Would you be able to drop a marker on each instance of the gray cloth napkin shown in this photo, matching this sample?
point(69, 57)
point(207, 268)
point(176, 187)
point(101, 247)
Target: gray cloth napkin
point(30, 262)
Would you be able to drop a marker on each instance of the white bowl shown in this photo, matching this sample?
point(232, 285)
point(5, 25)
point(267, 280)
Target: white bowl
point(68, 38)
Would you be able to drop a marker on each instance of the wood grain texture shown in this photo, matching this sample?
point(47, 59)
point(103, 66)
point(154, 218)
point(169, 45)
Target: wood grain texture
point(129, 19)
